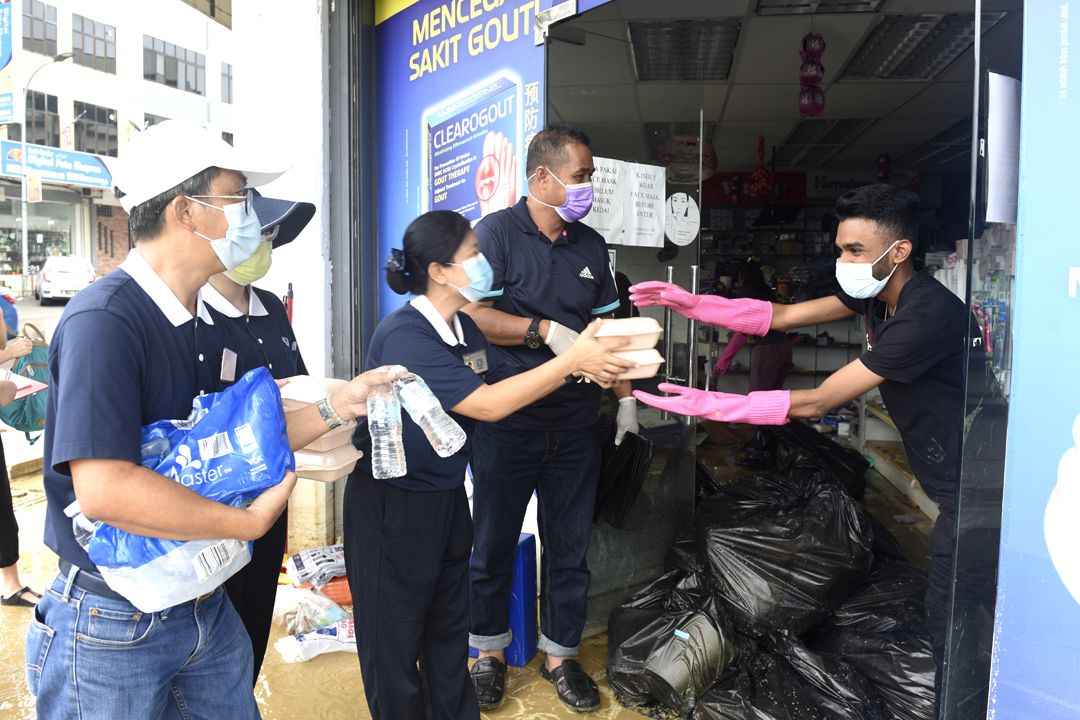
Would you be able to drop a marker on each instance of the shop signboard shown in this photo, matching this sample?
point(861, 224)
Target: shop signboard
point(65, 167)
point(1037, 621)
point(7, 66)
point(459, 94)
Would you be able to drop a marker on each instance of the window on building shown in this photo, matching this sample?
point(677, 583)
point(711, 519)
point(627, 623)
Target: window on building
point(150, 120)
point(93, 43)
point(173, 65)
point(42, 120)
point(227, 137)
point(39, 27)
point(220, 10)
point(226, 83)
point(95, 129)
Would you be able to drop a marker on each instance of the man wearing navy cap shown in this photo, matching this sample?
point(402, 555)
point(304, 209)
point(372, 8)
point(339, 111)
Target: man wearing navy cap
point(133, 348)
point(554, 278)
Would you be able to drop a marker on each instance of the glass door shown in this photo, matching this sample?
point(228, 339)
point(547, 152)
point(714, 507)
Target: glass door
point(637, 90)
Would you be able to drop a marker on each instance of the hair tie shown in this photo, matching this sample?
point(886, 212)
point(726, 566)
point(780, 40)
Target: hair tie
point(397, 262)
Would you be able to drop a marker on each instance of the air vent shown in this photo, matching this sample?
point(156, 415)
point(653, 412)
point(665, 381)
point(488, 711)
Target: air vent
point(819, 7)
point(915, 47)
point(684, 50)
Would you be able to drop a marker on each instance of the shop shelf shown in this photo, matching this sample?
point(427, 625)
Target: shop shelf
point(891, 463)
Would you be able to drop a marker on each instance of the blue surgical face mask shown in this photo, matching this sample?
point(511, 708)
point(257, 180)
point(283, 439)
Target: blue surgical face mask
point(480, 276)
point(241, 239)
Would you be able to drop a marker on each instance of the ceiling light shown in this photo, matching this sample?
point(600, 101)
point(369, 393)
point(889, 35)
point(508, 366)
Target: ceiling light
point(684, 50)
point(819, 7)
point(814, 142)
point(915, 47)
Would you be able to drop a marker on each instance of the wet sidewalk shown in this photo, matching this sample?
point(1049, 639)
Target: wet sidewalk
point(325, 688)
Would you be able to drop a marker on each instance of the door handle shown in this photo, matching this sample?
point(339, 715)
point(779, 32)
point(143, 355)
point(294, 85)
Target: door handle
point(669, 342)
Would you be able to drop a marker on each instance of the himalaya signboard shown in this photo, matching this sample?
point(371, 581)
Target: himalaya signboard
point(65, 167)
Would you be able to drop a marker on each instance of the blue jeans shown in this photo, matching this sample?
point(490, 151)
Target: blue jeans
point(563, 468)
point(89, 656)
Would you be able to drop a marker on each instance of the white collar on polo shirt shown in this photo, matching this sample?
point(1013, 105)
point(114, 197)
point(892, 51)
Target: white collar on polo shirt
point(151, 283)
point(218, 301)
point(424, 306)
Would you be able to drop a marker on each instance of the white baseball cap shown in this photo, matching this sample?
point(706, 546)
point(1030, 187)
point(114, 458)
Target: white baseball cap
point(165, 155)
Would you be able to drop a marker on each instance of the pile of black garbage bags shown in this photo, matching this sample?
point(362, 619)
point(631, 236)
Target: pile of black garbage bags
point(785, 602)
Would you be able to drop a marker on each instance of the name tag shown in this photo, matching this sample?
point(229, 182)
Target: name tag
point(477, 361)
point(228, 365)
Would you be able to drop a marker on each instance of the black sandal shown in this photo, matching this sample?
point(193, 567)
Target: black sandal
point(489, 679)
point(16, 599)
point(576, 689)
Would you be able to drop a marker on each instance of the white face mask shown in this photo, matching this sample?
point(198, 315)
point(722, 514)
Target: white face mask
point(857, 279)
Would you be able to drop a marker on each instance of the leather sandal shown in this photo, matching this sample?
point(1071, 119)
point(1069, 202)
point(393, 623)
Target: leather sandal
point(16, 599)
point(576, 689)
point(489, 679)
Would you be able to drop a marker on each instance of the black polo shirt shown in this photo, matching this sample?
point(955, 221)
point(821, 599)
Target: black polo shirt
point(920, 351)
point(417, 337)
point(126, 353)
point(569, 281)
point(263, 335)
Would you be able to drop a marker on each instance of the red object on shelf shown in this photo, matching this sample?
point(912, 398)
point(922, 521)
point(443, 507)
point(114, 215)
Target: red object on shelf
point(287, 301)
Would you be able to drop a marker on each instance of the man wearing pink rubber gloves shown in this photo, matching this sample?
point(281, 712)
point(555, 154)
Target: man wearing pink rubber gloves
point(916, 352)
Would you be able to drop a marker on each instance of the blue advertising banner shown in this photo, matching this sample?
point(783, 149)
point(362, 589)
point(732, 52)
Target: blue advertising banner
point(7, 70)
point(1036, 658)
point(460, 92)
point(59, 166)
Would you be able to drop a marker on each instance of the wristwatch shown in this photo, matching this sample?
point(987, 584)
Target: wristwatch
point(533, 341)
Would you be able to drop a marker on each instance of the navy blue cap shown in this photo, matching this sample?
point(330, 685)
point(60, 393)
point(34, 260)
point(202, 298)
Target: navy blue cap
point(290, 216)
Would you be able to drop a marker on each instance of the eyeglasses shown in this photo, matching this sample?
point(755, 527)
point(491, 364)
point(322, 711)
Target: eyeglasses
point(247, 197)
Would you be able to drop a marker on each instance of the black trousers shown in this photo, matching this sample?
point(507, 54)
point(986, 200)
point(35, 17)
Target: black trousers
point(254, 589)
point(407, 556)
point(9, 529)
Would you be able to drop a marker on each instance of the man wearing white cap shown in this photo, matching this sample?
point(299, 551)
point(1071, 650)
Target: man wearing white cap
point(133, 348)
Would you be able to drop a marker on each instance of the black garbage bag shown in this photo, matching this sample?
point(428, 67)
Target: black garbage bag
point(666, 645)
point(800, 448)
point(783, 551)
point(881, 631)
point(788, 681)
point(623, 470)
point(683, 555)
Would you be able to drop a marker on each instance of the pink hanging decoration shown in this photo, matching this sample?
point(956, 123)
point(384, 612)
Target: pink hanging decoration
point(759, 179)
point(811, 73)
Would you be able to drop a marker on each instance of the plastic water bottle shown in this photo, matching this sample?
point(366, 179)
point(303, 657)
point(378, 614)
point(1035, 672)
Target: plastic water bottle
point(384, 426)
point(81, 526)
point(442, 431)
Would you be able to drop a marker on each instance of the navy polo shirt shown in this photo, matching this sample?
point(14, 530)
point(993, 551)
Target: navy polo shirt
point(417, 337)
point(126, 353)
point(569, 281)
point(263, 336)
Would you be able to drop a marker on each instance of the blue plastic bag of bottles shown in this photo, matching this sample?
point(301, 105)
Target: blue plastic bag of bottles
point(230, 449)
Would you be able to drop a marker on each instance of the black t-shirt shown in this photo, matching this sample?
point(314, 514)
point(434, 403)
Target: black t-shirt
point(921, 352)
point(569, 281)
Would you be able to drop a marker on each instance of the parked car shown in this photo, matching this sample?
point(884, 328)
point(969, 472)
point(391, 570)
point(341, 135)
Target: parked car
point(62, 276)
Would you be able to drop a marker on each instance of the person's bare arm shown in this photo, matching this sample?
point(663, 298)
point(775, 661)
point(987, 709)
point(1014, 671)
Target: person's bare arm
point(501, 328)
point(812, 312)
point(306, 424)
point(844, 385)
point(139, 501)
point(491, 403)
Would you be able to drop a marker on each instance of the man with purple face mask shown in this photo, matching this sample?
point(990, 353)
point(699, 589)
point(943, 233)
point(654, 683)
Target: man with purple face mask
point(551, 278)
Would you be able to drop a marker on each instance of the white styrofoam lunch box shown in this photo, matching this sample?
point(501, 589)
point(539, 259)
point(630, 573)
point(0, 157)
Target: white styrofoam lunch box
point(327, 466)
point(303, 390)
point(642, 332)
point(332, 440)
point(648, 362)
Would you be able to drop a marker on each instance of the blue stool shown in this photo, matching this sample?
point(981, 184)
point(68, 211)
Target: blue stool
point(522, 647)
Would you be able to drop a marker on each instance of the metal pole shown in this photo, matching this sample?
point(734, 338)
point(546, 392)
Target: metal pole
point(26, 170)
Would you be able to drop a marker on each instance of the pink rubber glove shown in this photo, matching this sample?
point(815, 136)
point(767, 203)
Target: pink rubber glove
point(734, 345)
point(745, 315)
point(762, 407)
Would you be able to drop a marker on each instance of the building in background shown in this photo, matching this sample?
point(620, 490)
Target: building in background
point(135, 63)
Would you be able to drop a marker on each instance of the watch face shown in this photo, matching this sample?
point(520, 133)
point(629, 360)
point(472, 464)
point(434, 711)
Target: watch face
point(532, 342)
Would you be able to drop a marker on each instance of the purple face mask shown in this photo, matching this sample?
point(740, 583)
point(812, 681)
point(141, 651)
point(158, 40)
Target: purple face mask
point(579, 200)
